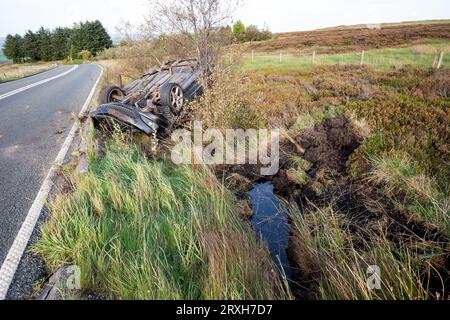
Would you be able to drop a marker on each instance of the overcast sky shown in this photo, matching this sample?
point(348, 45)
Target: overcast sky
point(17, 16)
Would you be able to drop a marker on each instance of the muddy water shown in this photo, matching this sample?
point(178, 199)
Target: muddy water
point(271, 223)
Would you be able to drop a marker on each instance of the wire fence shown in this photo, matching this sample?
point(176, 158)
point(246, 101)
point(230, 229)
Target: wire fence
point(383, 58)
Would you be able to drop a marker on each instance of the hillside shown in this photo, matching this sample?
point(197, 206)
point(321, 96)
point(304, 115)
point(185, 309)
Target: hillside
point(391, 24)
point(353, 38)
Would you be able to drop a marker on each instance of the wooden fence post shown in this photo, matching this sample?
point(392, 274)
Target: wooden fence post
point(441, 58)
point(314, 57)
point(120, 81)
point(253, 55)
point(363, 53)
point(281, 57)
point(435, 61)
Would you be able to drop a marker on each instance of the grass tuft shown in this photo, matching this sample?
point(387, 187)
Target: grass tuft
point(146, 229)
point(336, 261)
point(425, 199)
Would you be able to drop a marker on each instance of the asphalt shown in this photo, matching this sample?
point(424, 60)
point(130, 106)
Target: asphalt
point(33, 126)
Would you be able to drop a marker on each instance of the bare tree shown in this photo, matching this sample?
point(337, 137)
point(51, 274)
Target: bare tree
point(127, 31)
point(200, 21)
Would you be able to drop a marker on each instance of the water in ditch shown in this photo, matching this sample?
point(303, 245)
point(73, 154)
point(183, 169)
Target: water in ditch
point(271, 223)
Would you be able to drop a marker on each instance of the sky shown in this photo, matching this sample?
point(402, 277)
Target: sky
point(17, 16)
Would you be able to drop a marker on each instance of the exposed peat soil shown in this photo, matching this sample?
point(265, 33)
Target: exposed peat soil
point(328, 149)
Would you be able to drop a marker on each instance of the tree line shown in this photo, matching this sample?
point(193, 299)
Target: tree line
point(249, 33)
point(58, 44)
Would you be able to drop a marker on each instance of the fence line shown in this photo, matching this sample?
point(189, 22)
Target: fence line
point(361, 58)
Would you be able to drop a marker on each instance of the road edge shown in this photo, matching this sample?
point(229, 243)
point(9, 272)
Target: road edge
point(32, 85)
point(11, 263)
point(30, 75)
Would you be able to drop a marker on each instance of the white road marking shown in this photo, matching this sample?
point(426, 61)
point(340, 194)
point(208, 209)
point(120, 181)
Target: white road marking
point(9, 94)
point(11, 263)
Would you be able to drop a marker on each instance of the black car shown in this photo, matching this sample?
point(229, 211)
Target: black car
point(150, 103)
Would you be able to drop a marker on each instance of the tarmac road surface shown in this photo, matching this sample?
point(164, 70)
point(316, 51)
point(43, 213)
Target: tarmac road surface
point(35, 119)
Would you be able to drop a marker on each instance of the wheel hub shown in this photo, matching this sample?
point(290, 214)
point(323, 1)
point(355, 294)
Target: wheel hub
point(177, 98)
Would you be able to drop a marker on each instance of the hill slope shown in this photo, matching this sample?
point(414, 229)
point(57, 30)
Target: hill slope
point(348, 38)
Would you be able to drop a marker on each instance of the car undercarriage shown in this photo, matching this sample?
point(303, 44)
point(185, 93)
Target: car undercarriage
point(150, 103)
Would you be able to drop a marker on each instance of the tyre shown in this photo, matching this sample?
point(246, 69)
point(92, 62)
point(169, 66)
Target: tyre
point(107, 94)
point(172, 95)
point(166, 112)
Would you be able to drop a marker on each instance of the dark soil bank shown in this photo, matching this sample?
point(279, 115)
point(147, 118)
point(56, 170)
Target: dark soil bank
point(328, 149)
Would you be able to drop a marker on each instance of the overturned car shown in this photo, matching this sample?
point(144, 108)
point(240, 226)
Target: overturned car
point(149, 104)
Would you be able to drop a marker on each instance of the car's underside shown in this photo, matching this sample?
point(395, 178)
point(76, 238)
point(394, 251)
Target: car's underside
point(150, 103)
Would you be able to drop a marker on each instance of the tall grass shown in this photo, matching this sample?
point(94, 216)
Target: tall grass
point(146, 229)
point(425, 199)
point(228, 104)
point(9, 72)
point(336, 260)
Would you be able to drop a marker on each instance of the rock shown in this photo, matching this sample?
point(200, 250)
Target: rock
point(83, 165)
point(65, 283)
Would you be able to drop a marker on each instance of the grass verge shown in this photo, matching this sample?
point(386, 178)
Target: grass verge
point(10, 72)
point(146, 229)
point(73, 62)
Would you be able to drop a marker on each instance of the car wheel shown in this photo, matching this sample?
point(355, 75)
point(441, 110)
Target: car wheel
point(171, 95)
point(107, 95)
point(166, 112)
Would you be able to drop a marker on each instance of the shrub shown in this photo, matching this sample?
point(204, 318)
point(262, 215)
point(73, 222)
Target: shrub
point(416, 128)
point(85, 55)
point(228, 105)
point(242, 33)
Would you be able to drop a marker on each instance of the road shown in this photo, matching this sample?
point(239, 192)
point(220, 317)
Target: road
point(35, 119)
